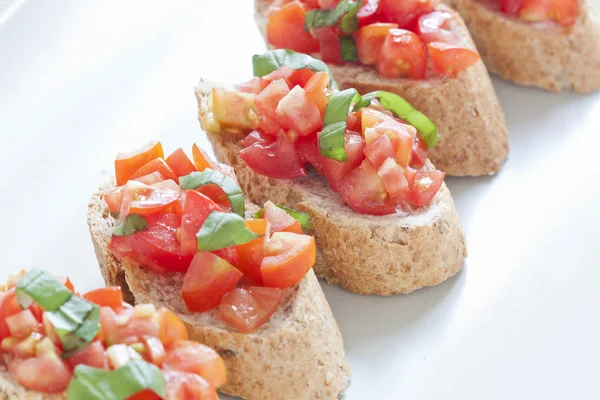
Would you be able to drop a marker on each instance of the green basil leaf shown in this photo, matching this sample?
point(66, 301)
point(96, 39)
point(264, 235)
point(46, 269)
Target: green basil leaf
point(403, 109)
point(222, 230)
point(259, 213)
point(44, 289)
point(300, 216)
point(129, 225)
point(331, 138)
point(211, 177)
point(264, 64)
point(348, 49)
point(345, 12)
point(90, 383)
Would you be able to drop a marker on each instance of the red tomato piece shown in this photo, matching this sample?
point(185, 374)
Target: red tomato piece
point(291, 76)
point(563, 12)
point(257, 137)
point(425, 186)
point(196, 209)
point(145, 200)
point(129, 327)
point(393, 178)
point(297, 113)
point(511, 7)
point(254, 85)
point(266, 104)
point(127, 164)
point(157, 244)
point(418, 155)
point(196, 358)
point(66, 282)
point(334, 170)
point(217, 195)
point(367, 14)
point(228, 254)
point(186, 386)
point(106, 297)
point(450, 60)
point(316, 90)
point(201, 159)
point(248, 308)
point(402, 55)
point(435, 27)
point(276, 160)
point(207, 280)
point(405, 12)
point(180, 163)
point(280, 220)
point(8, 307)
point(150, 179)
point(93, 355)
point(150, 395)
point(369, 41)
point(329, 44)
point(288, 257)
point(156, 165)
point(308, 149)
point(114, 198)
point(233, 108)
point(22, 324)
point(171, 328)
point(327, 3)
point(285, 29)
point(251, 255)
point(380, 150)
point(46, 373)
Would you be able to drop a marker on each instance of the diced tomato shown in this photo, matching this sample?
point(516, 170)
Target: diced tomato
point(127, 164)
point(149, 395)
point(114, 198)
point(207, 280)
point(196, 358)
point(228, 254)
point(106, 297)
point(308, 149)
point(327, 3)
point(180, 163)
point(260, 226)
point(297, 113)
point(151, 178)
point(93, 355)
point(364, 191)
point(46, 373)
point(329, 44)
point(418, 156)
point(49, 331)
point(145, 199)
point(234, 109)
point(156, 165)
point(154, 351)
point(291, 76)
point(563, 12)
point(66, 282)
point(378, 151)
point(217, 195)
point(196, 209)
point(450, 60)
point(334, 170)
point(285, 29)
point(171, 328)
point(8, 307)
point(254, 85)
point(288, 257)
point(402, 55)
point(186, 386)
point(251, 255)
point(257, 137)
point(369, 40)
point(276, 160)
point(425, 186)
point(248, 308)
point(316, 90)
point(266, 104)
point(300, 77)
point(393, 178)
point(124, 325)
point(158, 244)
point(280, 220)
point(435, 27)
point(401, 135)
point(201, 159)
point(22, 324)
point(511, 7)
point(367, 14)
point(406, 11)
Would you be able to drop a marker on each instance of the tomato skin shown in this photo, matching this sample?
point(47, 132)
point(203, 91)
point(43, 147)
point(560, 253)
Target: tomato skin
point(367, 14)
point(329, 45)
point(201, 159)
point(334, 170)
point(156, 165)
point(276, 160)
point(288, 257)
point(151, 178)
point(266, 104)
point(257, 137)
point(114, 198)
point(402, 55)
point(297, 113)
point(46, 373)
point(563, 12)
point(378, 151)
point(393, 178)
point(435, 27)
point(251, 255)
point(196, 209)
point(8, 307)
point(171, 328)
point(93, 355)
point(316, 90)
point(180, 163)
point(127, 164)
point(418, 156)
point(511, 7)
point(106, 297)
point(260, 226)
point(285, 29)
point(22, 324)
point(308, 150)
point(146, 395)
point(196, 358)
point(369, 40)
point(248, 308)
point(425, 186)
point(405, 12)
point(280, 220)
point(450, 60)
point(142, 199)
point(186, 386)
point(254, 85)
point(207, 280)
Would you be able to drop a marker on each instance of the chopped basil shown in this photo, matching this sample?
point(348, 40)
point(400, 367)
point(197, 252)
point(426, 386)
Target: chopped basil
point(300, 216)
point(129, 225)
point(345, 12)
point(348, 49)
point(331, 138)
point(264, 64)
point(75, 320)
point(211, 177)
point(403, 109)
point(90, 383)
point(222, 230)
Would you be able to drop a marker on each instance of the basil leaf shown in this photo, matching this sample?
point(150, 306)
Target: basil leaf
point(211, 177)
point(259, 213)
point(345, 12)
point(331, 138)
point(264, 64)
point(90, 383)
point(41, 287)
point(403, 109)
point(129, 225)
point(300, 216)
point(348, 49)
point(222, 230)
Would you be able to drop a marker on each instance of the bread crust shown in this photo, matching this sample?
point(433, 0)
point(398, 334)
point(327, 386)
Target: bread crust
point(466, 110)
point(554, 59)
point(364, 254)
point(298, 354)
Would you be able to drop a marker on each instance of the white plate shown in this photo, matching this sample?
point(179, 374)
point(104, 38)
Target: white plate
point(82, 80)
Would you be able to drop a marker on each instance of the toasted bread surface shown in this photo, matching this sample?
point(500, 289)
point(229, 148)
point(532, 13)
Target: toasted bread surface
point(466, 110)
point(298, 354)
point(550, 57)
point(364, 254)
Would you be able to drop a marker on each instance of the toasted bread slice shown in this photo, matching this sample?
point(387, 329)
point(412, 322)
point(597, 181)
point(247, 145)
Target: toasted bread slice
point(550, 57)
point(298, 354)
point(474, 137)
point(364, 254)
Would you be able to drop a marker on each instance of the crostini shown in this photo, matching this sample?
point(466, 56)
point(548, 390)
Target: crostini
point(554, 44)
point(56, 344)
point(420, 50)
point(242, 286)
point(382, 217)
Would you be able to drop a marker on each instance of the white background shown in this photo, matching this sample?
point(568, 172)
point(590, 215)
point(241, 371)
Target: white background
point(82, 80)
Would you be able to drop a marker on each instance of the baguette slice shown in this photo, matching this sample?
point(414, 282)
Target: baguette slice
point(549, 57)
point(298, 354)
point(363, 254)
point(474, 137)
